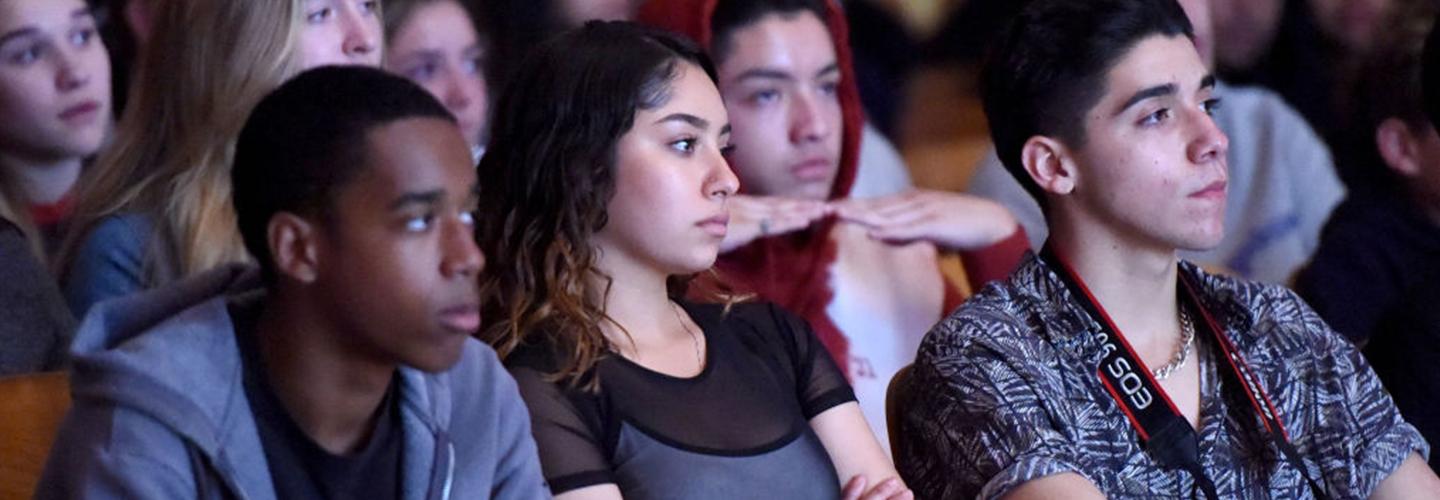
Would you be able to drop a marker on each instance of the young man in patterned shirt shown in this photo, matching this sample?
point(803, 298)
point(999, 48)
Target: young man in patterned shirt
point(1107, 366)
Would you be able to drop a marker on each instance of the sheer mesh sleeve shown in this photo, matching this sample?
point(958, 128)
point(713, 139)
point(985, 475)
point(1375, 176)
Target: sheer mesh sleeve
point(572, 452)
point(820, 385)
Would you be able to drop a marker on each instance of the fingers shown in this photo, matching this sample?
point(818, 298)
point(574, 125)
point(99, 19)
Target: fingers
point(853, 489)
point(756, 208)
point(907, 231)
point(950, 220)
point(889, 210)
point(754, 217)
point(888, 489)
point(888, 216)
point(883, 206)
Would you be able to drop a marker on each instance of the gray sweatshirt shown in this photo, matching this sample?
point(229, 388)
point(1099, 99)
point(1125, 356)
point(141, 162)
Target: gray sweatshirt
point(160, 410)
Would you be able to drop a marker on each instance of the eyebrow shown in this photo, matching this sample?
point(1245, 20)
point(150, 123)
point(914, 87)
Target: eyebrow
point(426, 54)
point(1148, 93)
point(1207, 82)
point(775, 74)
point(31, 30)
point(693, 120)
point(833, 67)
point(17, 34)
point(423, 198)
point(763, 74)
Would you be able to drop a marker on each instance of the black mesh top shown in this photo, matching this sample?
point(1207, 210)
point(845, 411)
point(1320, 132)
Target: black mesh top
point(738, 429)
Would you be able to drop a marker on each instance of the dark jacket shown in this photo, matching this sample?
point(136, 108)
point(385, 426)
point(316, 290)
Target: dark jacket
point(35, 325)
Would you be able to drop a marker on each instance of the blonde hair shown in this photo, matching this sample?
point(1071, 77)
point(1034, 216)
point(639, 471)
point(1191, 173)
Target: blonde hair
point(175, 142)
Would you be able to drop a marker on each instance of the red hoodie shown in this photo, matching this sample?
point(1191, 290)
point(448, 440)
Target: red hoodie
point(793, 270)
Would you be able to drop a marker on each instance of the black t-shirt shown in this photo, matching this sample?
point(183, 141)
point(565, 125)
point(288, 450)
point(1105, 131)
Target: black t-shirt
point(1375, 254)
point(300, 468)
point(739, 429)
point(1405, 358)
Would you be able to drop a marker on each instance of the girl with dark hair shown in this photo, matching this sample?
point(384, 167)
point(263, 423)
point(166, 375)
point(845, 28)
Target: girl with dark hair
point(604, 186)
point(811, 229)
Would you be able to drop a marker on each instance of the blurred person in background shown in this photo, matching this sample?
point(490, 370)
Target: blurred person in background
point(54, 113)
point(435, 44)
point(156, 206)
point(1376, 278)
point(1312, 52)
point(1382, 243)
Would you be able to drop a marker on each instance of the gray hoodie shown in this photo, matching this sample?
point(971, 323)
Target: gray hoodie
point(160, 410)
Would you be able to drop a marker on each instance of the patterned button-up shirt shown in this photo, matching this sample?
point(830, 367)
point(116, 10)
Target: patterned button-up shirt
point(1006, 391)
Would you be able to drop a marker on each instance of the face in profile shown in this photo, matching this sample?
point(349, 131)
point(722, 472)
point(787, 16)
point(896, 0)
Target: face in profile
point(439, 49)
point(340, 32)
point(780, 80)
point(397, 254)
point(671, 182)
point(54, 80)
point(1152, 167)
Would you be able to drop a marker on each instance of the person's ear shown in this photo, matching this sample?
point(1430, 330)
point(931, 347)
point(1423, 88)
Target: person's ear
point(1049, 165)
point(293, 247)
point(1398, 146)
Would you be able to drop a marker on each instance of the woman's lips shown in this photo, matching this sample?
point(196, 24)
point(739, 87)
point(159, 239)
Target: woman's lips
point(716, 226)
point(83, 112)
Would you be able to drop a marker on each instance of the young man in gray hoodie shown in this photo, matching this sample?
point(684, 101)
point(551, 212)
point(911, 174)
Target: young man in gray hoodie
point(344, 368)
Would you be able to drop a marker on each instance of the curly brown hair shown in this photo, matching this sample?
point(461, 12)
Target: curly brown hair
point(547, 177)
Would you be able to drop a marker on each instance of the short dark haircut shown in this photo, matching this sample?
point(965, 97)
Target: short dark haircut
point(1048, 68)
point(732, 15)
point(1432, 75)
point(306, 140)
